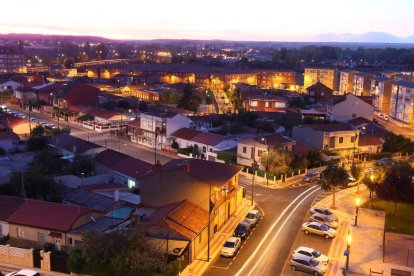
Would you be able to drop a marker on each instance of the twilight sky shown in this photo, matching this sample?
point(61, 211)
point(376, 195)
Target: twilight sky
point(278, 20)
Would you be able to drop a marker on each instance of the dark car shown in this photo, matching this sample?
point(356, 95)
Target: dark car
point(242, 230)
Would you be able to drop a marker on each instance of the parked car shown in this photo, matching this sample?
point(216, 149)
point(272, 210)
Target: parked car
point(310, 177)
point(325, 220)
point(310, 252)
point(20, 115)
point(242, 230)
point(231, 247)
point(318, 228)
point(323, 211)
point(385, 161)
point(307, 264)
point(253, 217)
point(351, 180)
point(24, 272)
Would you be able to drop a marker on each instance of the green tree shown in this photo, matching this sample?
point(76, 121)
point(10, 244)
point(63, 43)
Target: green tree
point(398, 143)
point(37, 141)
point(175, 145)
point(357, 172)
point(315, 158)
point(333, 177)
point(188, 100)
point(133, 255)
point(276, 161)
point(68, 63)
point(123, 104)
point(82, 164)
point(397, 185)
point(143, 106)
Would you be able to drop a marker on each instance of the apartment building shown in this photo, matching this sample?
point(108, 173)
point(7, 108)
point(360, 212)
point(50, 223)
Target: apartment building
point(362, 84)
point(381, 93)
point(346, 81)
point(12, 59)
point(327, 76)
point(402, 101)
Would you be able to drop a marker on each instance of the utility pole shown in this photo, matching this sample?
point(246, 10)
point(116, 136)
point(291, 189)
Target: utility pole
point(209, 221)
point(254, 171)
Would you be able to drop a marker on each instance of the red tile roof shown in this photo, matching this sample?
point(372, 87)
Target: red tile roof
point(187, 219)
point(329, 127)
point(123, 163)
point(319, 87)
point(47, 215)
point(300, 149)
point(359, 121)
point(9, 204)
point(208, 171)
point(185, 133)
point(72, 144)
point(208, 138)
point(135, 123)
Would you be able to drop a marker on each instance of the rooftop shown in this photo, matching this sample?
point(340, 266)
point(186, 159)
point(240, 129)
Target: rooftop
point(9, 204)
point(72, 144)
point(331, 127)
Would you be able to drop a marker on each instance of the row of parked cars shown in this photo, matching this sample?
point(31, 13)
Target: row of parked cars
point(33, 119)
point(315, 176)
point(322, 222)
point(241, 232)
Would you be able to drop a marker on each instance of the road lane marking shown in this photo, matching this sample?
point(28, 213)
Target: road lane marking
point(280, 229)
point(271, 229)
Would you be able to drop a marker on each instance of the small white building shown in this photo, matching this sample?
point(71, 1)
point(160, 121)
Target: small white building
point(9, 85)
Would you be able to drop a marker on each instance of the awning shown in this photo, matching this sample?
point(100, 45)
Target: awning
point(56, 235)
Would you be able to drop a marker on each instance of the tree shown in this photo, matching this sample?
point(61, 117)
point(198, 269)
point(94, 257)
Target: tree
point(82, 164)
point(276, 161)
point(314, 157)
point(133, 255)
point(68, 63)
point(188, 100)
point(397, 185)
point(358, 173)
point(123, 104)
point(37, 141)
point(333, 177)
point(398, 143)
point(175, 145)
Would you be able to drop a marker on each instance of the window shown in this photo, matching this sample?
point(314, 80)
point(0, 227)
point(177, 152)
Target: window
point(341, 140)
point(259, 152)
point(352, 139)
point(244, 149)
point(253, 103)
point(70, 241)
point(19, 232)
point(266, 104)
point(41, 237)
point(354, 115)
point(204, 149)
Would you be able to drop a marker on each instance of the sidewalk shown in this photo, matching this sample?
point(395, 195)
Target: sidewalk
point(278, 184)
point(366, 249)
point(198, 267)
point(42, 272)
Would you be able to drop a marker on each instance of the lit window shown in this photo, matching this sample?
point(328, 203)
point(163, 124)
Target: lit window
point(341, 140)
point(253, 103)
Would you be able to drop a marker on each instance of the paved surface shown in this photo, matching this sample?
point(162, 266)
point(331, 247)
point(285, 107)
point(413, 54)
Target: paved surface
point(107, 140)
point(7, 268)
point(267, 248)
point(396, 127)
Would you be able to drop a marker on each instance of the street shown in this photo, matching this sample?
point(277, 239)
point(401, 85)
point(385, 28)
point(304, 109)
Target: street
point(121, 144)
point(267, 248)
point(396, 128)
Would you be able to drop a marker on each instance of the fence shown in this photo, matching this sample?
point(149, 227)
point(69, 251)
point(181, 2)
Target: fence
point(16, 256)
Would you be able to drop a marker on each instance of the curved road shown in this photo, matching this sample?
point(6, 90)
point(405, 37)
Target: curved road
point(267, 248)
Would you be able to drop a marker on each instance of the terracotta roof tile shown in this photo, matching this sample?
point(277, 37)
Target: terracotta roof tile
point(47, 215)
point(185, 133)
point(9, 204)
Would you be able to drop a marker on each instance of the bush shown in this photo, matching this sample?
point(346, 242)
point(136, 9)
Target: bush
point(377, 156)
point(2, 151)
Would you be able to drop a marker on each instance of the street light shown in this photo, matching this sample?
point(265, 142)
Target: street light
point(254, 172)
point(372, 177)
point(357, 204)
point(348, 249)
point(357, 131)
point(267, 161)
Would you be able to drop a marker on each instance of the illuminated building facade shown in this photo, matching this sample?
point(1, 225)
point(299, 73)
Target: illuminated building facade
point(12, 59)
point(326, 76)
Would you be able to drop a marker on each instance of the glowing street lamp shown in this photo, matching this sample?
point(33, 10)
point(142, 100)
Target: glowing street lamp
point(348, 249)
point(372, 177)
point(357, 204)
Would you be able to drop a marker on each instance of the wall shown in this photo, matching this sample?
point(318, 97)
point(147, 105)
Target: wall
point(16, 256)
point(4, 228)
point(175, 123)
point(308, 136)
point(351, 108)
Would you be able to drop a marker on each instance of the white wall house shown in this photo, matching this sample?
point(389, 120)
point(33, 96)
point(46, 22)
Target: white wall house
point(10, 84)
point(349, 107)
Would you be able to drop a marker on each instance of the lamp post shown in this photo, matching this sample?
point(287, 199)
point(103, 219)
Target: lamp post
point(158, 131)
point(254, 171)
point(357, 203)
point(357, 131)
point(348, 249)
point(267, 161)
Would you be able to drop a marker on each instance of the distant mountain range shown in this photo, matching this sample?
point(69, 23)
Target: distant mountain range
point(52, 37)
point(370, 37)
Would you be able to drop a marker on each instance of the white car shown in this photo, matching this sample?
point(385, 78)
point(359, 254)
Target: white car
point(231, 247)
point(253, 217)
point(325, 220)
point(310, 252)
point(307, 264)
point(319, 229)
point(24, 272)
point(323, 211)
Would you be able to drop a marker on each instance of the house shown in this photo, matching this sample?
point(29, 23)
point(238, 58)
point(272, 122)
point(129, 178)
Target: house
point(348, 107)
point(327, 76)
point(180, 222)
point(250, 150)
point(68, 146)
point(25, 94)
point(402, 102)
point(346, 81)
point(156, 126)
point(362, 84)
point(371, 138)
point(72, 94)
point(319, 92)
point(47, 222)
point(263, 102)
point(335, 137)
point(189, 187)
point(9, 204)
point(125, 169)
point(8, 84)
point(8, 139)
point(207, 143)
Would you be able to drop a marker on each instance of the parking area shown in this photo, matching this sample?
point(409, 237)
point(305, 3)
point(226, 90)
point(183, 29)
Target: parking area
point(313, 241)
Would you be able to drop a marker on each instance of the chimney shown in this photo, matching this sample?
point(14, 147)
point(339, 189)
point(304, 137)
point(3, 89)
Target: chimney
point(157, 167)
point(185, 167)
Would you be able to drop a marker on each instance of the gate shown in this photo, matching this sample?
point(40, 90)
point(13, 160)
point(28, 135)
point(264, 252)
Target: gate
point(36, 258)
point(59, 263)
